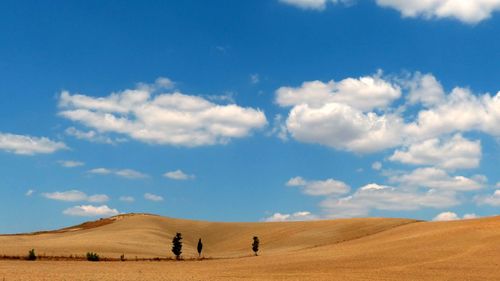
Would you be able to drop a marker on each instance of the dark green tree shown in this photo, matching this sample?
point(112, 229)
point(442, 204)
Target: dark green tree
point(177, 245)
point(200, 247)
point(31, 255)
point(255, 245)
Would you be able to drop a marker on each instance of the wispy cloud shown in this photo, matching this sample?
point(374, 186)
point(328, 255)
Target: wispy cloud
point(75, 196)
point(153, 197)
point(124, 173)
point(178, 175)
point(70, 163)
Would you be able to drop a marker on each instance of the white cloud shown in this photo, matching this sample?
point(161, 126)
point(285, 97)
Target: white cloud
point(91, 136)
point(380, 197)
point(28, 145)
point(29, 192)
point(307, 4)
point(279, 128)
point(128, 199)
point(446, 216)
point(470, 216)
point(91, 211)
point(75, 196)
point(450, 153)
point(424, 89)
point(492, 200)
point(377, 166)
point(124, 173)
point(255, 78)
point(461, 111)
point(468, 11)
point(319, 187)
point(363, 125)
point(100, 171)
point(130, 174)
point(317, 5)
point(343, 127)
point(298, 216)
point(365, 93)
point(70, 164)
point(451, 216)
point(153, 197)
point(167, 118)
point(178, 175)
point(434, 178)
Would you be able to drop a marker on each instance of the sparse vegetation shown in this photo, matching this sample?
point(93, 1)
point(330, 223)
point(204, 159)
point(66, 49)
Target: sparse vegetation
point(200, 247)
point(91, 256)
point(177, 245)
point(255, 245)
point(31, 255)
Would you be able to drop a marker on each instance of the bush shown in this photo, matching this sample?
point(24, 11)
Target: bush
point(31, 255)
point(91, 256)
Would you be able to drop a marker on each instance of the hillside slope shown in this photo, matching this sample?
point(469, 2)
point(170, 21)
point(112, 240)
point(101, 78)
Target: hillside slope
point(150, 236)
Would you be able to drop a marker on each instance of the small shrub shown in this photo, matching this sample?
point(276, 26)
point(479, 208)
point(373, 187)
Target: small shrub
point(91, 256)
point(31, 255)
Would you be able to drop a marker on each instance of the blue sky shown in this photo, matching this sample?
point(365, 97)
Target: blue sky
point(248, 110)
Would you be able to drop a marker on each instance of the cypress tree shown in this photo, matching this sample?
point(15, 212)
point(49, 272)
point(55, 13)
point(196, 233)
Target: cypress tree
point(255, 245)
point(177, 245)
point(200, 247)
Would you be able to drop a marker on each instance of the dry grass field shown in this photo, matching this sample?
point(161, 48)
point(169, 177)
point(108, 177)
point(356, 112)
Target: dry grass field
point(351, 249)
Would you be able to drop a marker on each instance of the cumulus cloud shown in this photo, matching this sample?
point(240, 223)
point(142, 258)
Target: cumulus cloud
point(461, 111)
point(178, 175)
point(76, 196)
point(124, 173)
point(70, 163)
point(451, 216)
point(320, 114)
point(449, 153)
point(91, 211)
point(470, 12)
point(364, 93)
point(343, 127)
point(434, 178)
point(172, 118)
point(424, 89)
point(492, 200)
point(28, 145)
point(319, 187)
point(298, 216)
point(153, 197)
point(465, 11)
point(381, 197)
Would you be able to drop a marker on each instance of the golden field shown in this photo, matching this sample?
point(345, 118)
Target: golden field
point(349, 249)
